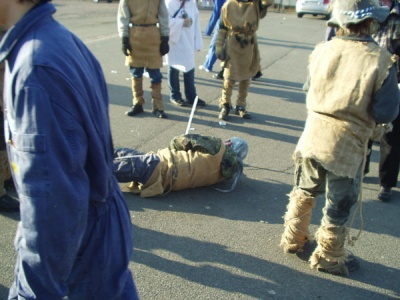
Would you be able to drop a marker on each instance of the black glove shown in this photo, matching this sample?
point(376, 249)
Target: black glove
point(164, 46)
point(126, 47)
point(220, 53)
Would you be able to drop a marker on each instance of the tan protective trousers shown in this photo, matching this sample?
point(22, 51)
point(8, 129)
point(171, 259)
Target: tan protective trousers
point(227, 90)
point(156, 96)
point(297, 220)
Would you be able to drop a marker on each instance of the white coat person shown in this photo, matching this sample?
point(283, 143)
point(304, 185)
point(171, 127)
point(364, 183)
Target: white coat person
point(185, 40)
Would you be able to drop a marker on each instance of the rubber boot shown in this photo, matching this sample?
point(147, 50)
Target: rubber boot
point(225, 101)
point(297, 219)
point(240, 108)
point(156, 101)
point(330, 255)
point(138, 100)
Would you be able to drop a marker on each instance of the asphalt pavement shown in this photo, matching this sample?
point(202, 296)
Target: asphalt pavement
point(203, 244)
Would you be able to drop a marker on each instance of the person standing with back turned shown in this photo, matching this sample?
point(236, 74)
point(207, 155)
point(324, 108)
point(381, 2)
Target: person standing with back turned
point(352, 87)
point(211, 58)
point(74, 236)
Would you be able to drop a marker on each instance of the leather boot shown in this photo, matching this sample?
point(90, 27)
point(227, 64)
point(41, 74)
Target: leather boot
point(138, 100)
point(242, 112)
point(134, 110)
point(297, 220)
point(243, 90)
point(225, 101)
point(156, 101)
point(224, 112)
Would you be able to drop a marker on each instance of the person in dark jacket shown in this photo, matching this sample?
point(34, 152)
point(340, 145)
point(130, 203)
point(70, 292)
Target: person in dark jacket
point(388, 37)
point(211, 58)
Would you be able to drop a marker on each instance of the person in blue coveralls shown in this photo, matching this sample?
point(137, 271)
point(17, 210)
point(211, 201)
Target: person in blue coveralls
point(74, 237)
point(211, 58)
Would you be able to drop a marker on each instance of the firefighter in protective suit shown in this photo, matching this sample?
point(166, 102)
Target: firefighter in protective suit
point(190, 161)
point(351, 87)
point(143, 27)
point(236, 46)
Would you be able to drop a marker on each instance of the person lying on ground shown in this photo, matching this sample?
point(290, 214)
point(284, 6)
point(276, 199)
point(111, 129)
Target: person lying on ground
point(190, 161)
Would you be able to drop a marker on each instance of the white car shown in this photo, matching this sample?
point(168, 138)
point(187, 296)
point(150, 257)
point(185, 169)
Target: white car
point(313, 7)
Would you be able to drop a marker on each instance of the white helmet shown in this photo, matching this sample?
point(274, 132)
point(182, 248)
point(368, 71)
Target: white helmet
point(239, 147)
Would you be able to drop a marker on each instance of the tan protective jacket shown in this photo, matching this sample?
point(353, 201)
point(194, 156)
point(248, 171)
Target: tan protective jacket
point(242, 20)
point(344, 76)
point(144, 40)
point(180, 170)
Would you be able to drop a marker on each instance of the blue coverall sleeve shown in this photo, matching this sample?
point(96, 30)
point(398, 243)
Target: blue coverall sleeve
point(214, 16)
point(385, 102)
point(48, 152)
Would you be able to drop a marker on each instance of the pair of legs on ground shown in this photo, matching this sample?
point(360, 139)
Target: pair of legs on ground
point(225, 101)
point(137, 91)
point(389, 161)
point(211, 58)
point(311, 180)
point(190, 89)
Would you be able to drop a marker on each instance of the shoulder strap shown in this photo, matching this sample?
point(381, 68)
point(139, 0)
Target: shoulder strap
point(180, 7)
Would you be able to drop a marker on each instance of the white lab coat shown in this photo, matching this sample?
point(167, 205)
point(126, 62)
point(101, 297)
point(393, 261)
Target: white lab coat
point(183, 41)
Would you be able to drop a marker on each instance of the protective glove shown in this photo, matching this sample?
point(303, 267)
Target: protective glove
point(266, 3)
point(164, 46)
point(220, 52)
point(380, 130)
point(126, 47)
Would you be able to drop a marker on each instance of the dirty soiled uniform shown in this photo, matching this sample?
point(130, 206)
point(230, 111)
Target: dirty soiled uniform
point(190, 161)
point(74, 236)
point(342, 111)
point(239, 22)
point(339, 106)
point(241, 19)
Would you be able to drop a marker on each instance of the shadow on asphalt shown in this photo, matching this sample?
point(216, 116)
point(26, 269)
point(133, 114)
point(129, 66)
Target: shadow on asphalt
point(250, 205)
point(269, 274)
point(4, 291)
point(282, 89)
point(205, 200)
point(285, 44)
